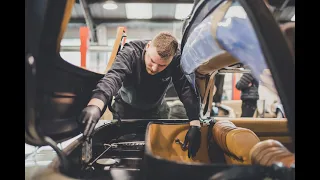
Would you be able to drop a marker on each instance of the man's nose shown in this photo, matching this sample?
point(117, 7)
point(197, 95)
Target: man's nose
point(155, 68)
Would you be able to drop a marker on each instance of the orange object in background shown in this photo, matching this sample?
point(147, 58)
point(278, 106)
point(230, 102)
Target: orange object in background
point(84, 39)
point(124, 39)
point(119, 41)
point(235, 92)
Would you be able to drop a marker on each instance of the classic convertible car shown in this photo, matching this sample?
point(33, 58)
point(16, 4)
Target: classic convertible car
point(243, 31)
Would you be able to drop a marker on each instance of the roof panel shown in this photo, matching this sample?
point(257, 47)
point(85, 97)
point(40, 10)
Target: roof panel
point(77, 11)
point(98, 11)
point(160, 13)
point(163, 10)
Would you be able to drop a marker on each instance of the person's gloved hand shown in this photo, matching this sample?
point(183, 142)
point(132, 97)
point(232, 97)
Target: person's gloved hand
point(193, 140)
point(88, 119)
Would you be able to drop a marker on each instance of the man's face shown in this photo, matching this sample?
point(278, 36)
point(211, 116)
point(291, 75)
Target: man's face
point(154, 63)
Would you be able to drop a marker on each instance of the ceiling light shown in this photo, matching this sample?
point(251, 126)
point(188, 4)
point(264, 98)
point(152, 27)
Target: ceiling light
point(110, 5)
point(139, 10)
point(183, 10)
point(293, 17)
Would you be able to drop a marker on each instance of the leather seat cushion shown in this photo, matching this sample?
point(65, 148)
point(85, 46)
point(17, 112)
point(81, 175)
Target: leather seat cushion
point(240, 141)
point(220, 131)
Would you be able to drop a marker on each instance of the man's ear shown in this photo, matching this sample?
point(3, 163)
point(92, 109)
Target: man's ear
point(148, 45)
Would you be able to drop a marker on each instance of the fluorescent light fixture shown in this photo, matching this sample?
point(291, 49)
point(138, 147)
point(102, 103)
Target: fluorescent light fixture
point(293, 17)
point(110, 5)
point(183, 10)
point(139, 10)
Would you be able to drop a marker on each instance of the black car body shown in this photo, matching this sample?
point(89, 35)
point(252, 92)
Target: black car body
point(57, 91)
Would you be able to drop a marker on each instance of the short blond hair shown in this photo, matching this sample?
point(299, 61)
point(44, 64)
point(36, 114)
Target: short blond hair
point(166, 44)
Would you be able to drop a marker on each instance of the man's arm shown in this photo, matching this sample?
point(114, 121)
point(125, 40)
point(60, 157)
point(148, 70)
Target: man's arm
point(244, 81)
point(106, 88)
point(97, 102)
point(109, 85)
point(186, 94)
point(191, 102)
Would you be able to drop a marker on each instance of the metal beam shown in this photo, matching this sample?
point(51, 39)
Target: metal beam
point(276, 3)
point(284, 5)
point(91, 48)
point(88, 20)
point(123, 20)
point(279, 3)
point(141, 1)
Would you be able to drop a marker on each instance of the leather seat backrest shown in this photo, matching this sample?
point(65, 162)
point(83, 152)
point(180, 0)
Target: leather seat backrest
point(207, 68)
point(203, 56)
point(236, 142)
point(270, 151)
point(160, 142)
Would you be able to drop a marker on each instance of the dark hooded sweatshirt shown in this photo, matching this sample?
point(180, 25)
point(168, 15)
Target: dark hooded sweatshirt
point(129, 80)
point(248, 93)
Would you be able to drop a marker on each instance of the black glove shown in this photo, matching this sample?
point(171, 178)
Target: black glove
point(193, 138)
point(88, 119)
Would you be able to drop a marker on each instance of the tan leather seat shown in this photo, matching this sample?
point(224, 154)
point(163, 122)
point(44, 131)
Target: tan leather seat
point(236, 142)
point(270, 151)
point(160, 142)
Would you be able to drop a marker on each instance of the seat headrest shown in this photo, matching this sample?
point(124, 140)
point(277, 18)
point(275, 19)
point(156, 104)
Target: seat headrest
point(270, 151)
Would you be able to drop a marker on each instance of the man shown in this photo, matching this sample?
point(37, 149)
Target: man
point(139, 79)
point(248, 86)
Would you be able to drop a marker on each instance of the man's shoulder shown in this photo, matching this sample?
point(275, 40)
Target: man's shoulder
point(138, 43)
point(135, 47)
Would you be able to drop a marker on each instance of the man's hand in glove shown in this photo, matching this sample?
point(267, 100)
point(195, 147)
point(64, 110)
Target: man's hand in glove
point(89, 117)
point(193, 138)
